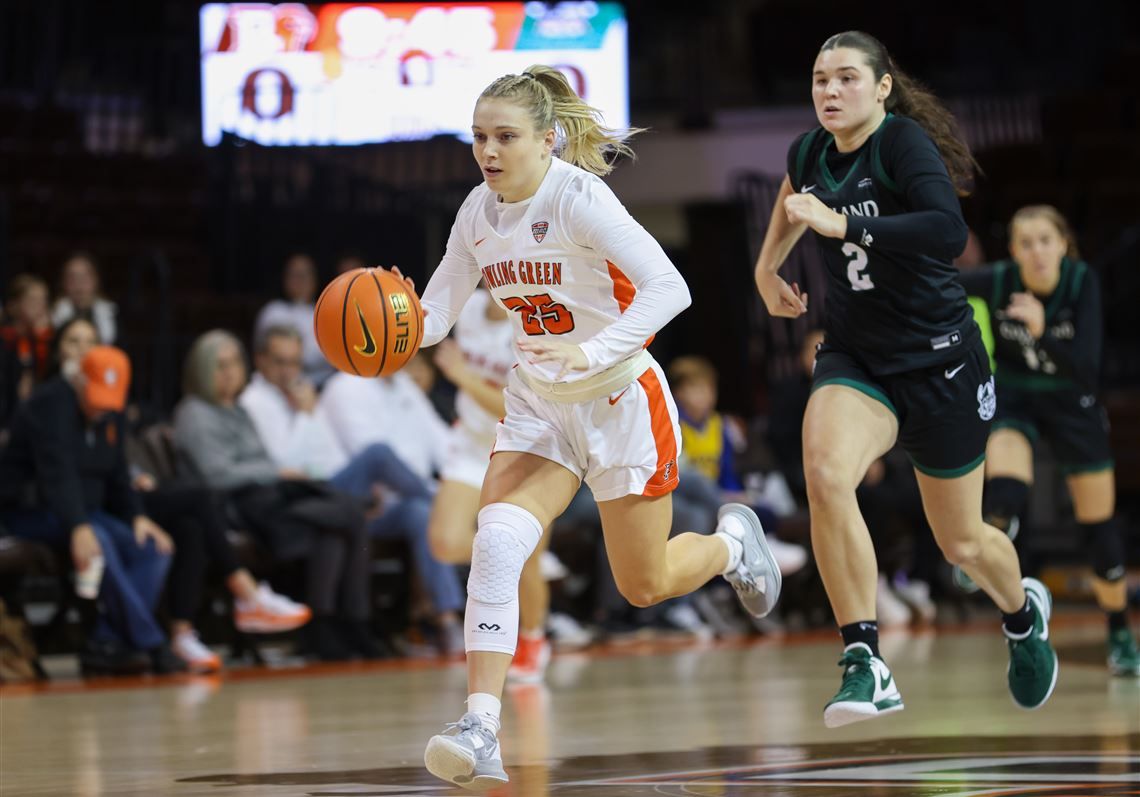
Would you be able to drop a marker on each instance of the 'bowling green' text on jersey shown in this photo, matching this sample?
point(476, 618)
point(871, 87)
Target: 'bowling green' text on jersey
point(893, 299)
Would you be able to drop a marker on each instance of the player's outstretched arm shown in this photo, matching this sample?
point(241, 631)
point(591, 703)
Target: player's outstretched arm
point(780, 298)
point(449, 288)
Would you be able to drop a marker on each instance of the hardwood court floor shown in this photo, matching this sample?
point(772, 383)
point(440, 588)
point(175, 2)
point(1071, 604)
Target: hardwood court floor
point(723, 720)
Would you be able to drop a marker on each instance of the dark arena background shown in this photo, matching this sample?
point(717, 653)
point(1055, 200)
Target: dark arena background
point(172, 171)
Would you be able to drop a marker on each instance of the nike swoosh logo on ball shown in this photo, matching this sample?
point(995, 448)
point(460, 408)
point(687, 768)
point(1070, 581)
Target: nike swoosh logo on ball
point(369, 347)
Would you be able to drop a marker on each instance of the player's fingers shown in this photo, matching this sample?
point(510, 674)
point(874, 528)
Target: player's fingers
point(791, 296)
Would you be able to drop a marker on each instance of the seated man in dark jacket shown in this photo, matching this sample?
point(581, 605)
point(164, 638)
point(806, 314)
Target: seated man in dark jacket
point(64, 482)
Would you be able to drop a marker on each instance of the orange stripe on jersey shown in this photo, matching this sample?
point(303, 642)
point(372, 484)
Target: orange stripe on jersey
point(624, 292)
point(623, 288)
point(665, 478)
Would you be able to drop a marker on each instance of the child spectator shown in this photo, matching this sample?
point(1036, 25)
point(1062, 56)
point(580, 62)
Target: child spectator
point(709, 442)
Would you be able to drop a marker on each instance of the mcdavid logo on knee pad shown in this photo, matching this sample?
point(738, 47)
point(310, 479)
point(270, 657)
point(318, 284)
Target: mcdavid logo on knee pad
point(490, 627)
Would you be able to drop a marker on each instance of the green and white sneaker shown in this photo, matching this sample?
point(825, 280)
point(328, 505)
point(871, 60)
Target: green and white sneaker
point(1123, 654)
point(868, 689)
point(963, 581)
point(1033, 668)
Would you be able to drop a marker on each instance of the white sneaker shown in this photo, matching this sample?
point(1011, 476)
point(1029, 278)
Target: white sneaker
point(916, 594)
point(684, 617)
point(466, 754)
point(566, 633)
point(889, 610)
point(757, 579)
point(551, 567)
point(789, 556)
point(198, 657)
point(269, 613)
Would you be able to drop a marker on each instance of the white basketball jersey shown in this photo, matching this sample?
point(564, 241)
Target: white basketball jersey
point(542, 271)
point(487, 347)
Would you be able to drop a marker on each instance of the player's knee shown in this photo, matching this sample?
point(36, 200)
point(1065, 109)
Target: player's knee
point(828, 481)
point(506, 538)
point(641, 589)
point(962, 550)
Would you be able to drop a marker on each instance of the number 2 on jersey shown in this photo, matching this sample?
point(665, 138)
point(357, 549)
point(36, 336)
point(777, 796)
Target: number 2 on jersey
point(541, 315)
point(859, 281)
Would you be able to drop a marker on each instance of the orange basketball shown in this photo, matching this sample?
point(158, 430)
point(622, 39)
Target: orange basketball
point(368, 322)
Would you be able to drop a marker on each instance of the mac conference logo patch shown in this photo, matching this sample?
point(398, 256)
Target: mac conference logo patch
point(539, 229)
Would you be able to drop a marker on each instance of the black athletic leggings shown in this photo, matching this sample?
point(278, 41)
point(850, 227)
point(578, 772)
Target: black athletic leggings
point(193, 518)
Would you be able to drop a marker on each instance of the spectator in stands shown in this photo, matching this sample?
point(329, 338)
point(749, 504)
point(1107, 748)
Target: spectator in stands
point(194, 520)
point(300, 286)
point(282, 404)
point(888, 498)
point(26, 341)
point(295, 517)
point(64, 482)
point(390, 410)
point(80, 298)
point(710, 442)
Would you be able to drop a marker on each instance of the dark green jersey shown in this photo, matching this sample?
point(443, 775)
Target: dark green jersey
point(893, 300)
point(1067, 356)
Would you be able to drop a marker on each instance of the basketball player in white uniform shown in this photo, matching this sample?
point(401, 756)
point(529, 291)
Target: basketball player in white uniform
point(478, 359)
point(587, 288)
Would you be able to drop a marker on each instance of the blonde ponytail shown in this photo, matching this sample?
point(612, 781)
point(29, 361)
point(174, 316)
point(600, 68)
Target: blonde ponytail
point(551, 101)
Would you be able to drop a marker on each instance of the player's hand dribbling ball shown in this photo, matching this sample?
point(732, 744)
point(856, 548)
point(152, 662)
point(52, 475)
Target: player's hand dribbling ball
point(369, 322)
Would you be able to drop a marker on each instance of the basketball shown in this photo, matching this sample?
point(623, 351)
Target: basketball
point(368, 322)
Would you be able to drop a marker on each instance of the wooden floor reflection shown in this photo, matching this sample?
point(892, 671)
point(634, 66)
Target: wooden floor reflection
point(723, 720)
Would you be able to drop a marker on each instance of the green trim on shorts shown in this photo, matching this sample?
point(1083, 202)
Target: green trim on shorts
point(1088, 467)
point(1027, 429)
point(948, 473)
point(862, 387)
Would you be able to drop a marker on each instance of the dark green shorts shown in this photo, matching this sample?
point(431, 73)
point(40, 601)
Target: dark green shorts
point(1074, 424)
point(944, 412)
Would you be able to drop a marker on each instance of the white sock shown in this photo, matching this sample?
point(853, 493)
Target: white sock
point(487, 707)
point(735, 549)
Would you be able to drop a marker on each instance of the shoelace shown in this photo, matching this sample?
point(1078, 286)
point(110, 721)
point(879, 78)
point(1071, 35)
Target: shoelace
point(469, 724)
point(744, 582)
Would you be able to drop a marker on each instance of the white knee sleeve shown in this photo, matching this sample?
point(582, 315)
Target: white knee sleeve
point(506, 538)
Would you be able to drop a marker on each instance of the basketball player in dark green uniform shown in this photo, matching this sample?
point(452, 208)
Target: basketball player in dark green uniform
point(901, 358)
point(1044, 307)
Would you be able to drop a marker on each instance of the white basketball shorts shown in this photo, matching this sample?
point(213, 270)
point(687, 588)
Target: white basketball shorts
point(626, 443)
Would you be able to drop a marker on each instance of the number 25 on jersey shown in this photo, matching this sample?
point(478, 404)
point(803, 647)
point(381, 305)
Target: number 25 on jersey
point(859, 281)
point(541, 315)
